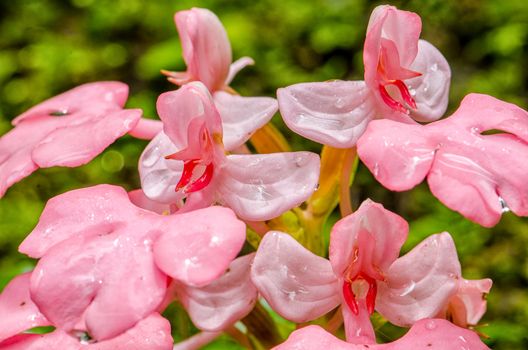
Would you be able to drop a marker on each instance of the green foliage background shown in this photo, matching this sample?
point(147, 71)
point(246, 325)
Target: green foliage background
point(47, 47)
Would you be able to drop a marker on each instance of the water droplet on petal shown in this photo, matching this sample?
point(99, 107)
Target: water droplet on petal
point(504, 206)
point(434, 67)
point(430, 325)
point(339, 103)
point(150, 157)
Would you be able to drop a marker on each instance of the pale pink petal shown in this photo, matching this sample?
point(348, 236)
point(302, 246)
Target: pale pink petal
point(398, 155)
point(197, 341)
point(315, 338)
point(358, 328)
point(242, 116)
point(205, 243)
point(78, 144)
point(178, 109)
point(367, 241)
point(159, 176)
point(420, 284)
point(146, 129)
point(400, 28)
point(206, 48)
point(88, 211)
point(54, 340)
point(111, 278)
point(138, 198)
point(18, 311)
point(472, 295)
point(68, 130)
point(224, 301)
point(263, 186)
point(436, 334)
point(335, 113)
point(430, 90)
point(237, 66)
point(298, 284)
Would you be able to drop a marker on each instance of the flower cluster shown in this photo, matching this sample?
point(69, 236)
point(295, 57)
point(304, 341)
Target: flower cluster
point(233, 233)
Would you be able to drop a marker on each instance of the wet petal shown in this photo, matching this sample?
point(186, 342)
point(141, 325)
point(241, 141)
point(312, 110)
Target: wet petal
point(138, 198)
point(472, 295)
point(430, 90)
point(298, 284)
point(420, 284)
point(263, 186)
point(242, 116)
point(18, 311)
point(367, 241)
point(202, 248)
point(206, 48)
point(224, 301)
point(358, 328)
point(315, 338)
point(335, 113)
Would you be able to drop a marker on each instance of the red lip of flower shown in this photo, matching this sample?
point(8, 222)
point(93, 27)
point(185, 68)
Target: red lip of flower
point(404, 76)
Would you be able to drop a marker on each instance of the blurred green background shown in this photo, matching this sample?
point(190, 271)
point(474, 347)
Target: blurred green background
point(47, 47)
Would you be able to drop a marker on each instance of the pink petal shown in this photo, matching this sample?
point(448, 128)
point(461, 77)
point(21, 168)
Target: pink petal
point(315, 338)
point(472, 295)
point(478, 175)
point(206, 48)
point(420, 284)
point(431, 89)
point(111, 278)
point(263, 186)
point(358, 328)
point(159, 176)
point(237, 66)
point(18, 311)
point(242, 116)
point(138, 198)
point(402, 29)
point(367, 241)
point(335, 113)
point(224, 301)
point(93, 119)
point(298, 284)
point(151, 333)
point(178, 109)
point(205, 243)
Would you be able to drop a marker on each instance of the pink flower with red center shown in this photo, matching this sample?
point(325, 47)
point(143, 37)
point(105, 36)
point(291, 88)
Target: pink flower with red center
point(191, 165)
point(68, 130)
point(207, 53)
point(430, 334)
point(474, 160)
point(403, 76)
point(363, 273)
point(105, 263)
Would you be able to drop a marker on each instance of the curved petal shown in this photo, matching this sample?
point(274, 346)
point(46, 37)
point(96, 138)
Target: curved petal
point(224, 301)
point(472, 297)
point(400, 29)
point(315, 338)
point(334, 113)
point(430, 90)
point(109, 279)
point(367, 241)
point(206, 48)
point(242, 116)
point(159, 176)
point(86, 211)
point(399, 155)
point(298, 284)
point(237, 66)
point(138, 198)
point(18, 311)
point(420, 284)
point(358, 328)
point(205, 243)
point(263, 186)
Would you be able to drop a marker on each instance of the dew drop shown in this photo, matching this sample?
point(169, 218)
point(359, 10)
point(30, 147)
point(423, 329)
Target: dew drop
point(59, 113)
point(150, 156)
point(434, 67)
point(339, 103)
point(504, 206)
point(430, 325)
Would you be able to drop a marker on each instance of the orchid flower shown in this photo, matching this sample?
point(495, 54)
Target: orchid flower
point(20, 314)
point(106, 263)
point(403, 75)
point(430, 334)
point(69, 130)
point(364, 273)
point(207, 53)
point(191, 164)
point(478, 174)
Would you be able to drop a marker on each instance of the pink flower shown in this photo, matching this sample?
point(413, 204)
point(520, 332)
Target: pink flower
point(427, 334)
point(480, 175)
point(105, 263)
point(364, 273)
point(67, 130)
point(403, 75)
point(191, 163)
point(207, 53)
